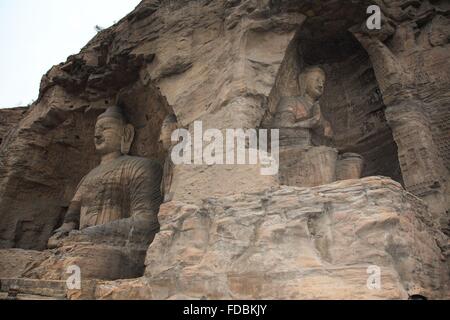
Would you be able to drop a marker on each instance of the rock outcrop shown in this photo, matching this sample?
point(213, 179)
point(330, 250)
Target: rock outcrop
point(228, 233)
point(285, 243)
point(282, 243)
point(294, 243)
point(9, 119)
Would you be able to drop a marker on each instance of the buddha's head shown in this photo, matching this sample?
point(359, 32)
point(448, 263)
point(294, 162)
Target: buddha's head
point(169, 125)
point(113, 133)
point(312, 82)
point(439, 33)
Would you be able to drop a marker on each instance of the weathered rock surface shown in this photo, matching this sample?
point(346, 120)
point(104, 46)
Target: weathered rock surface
point(10, 118)
point(192, 183)
point(224, 63)
point(26, 289)
point(228, 63)
point(14, 263)
point(153, 62)
point(96, 262)
point(294, 243)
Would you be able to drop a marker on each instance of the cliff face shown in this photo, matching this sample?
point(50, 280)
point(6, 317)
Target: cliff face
point(294, 243)
point(152, 62)
point(228, 63)
point(9, 119)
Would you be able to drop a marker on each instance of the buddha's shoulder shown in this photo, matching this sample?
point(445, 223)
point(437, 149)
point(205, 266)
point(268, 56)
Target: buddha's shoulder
point(140, 163)
point(289, 102)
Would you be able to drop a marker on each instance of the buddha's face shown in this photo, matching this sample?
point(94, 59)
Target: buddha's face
point(315, 83)
point(108, 135)
point(439, 37)
point(439, 33)
point(166, 134)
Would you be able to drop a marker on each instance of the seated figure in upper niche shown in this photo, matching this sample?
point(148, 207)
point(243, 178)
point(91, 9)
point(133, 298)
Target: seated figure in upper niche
point(306, 156)
point(300, 118)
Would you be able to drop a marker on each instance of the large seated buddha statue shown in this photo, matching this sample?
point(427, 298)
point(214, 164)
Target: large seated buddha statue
point(112, 218)
point(120, 198)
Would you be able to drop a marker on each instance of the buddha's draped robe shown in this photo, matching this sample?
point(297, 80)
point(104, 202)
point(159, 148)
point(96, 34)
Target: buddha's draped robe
point(125, 187)
point(292, 110)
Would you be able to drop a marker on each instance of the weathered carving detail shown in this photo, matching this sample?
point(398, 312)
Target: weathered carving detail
point(113, 214)
point(169, 125)
point(405, 74)
point(226, 231)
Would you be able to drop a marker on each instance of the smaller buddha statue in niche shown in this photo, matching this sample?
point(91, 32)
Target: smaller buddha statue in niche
point(306, 156)
point(300, 118)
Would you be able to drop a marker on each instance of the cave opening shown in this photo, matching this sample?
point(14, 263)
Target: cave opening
point(352, 100)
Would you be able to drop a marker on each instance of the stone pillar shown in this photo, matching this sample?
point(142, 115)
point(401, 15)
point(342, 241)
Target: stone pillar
point(423, 172)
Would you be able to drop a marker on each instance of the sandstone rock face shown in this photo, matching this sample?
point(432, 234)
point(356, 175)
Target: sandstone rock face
point(26, 289)
point(96, 262)
point(294, 243)
point(39, 178)
point(416, 111)
point(162, 57)
point(14, 263)
point(152, 58)
point(10, 118)
point(230, 232)
point(192, 183)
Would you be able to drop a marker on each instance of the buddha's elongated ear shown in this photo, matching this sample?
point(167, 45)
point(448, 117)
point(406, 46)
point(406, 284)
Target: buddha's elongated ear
point(127, 139)
point(302, 77)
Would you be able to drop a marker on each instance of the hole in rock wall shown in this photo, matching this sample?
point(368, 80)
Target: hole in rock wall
point(352, 101)
point(48, 177)
point(146, 109)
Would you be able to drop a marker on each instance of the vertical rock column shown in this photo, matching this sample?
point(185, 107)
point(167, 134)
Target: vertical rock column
point(423, 169)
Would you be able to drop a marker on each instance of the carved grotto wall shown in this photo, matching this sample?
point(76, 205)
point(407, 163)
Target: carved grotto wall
point(408, 55)
point(352, 100)
point(228, 63)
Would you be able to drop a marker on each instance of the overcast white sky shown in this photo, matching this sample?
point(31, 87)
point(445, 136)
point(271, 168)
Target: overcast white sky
point(37, 34)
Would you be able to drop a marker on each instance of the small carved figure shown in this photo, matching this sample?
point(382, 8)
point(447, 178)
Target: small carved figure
point(300, 118)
